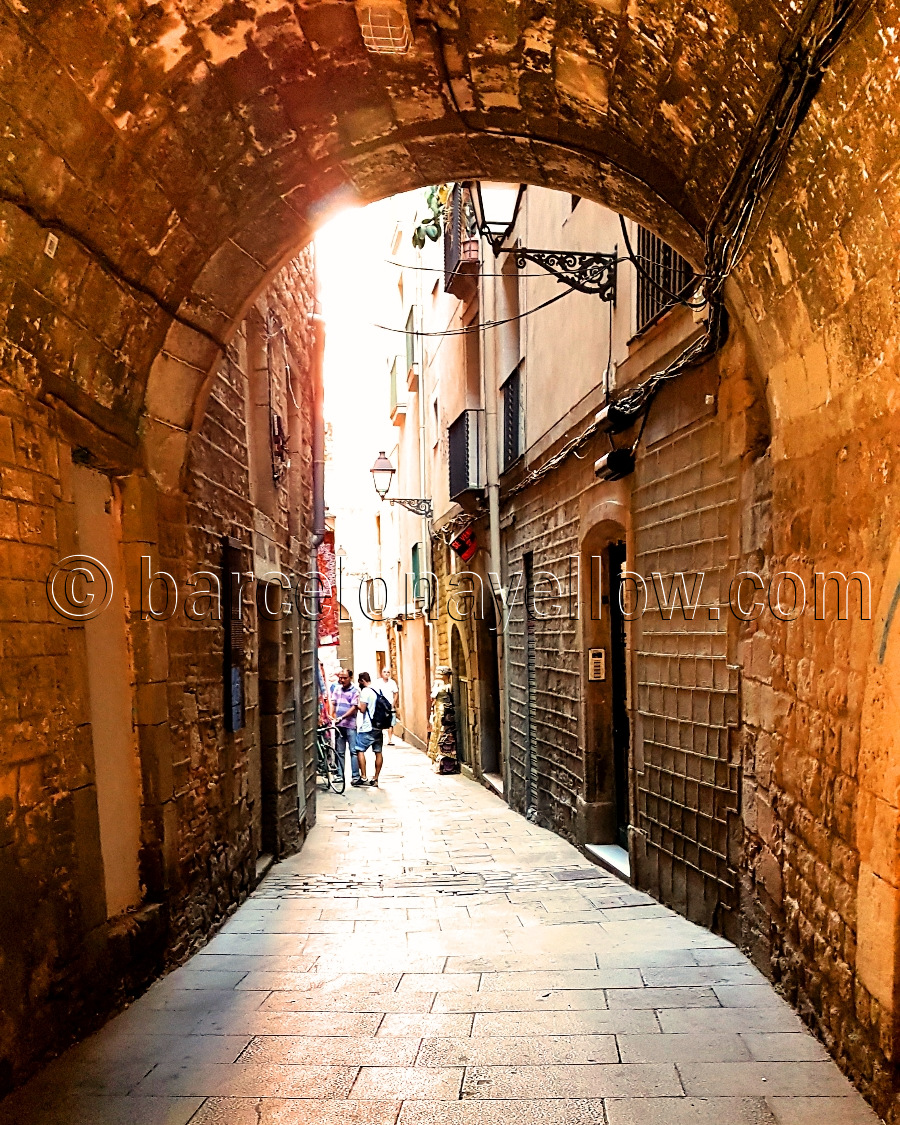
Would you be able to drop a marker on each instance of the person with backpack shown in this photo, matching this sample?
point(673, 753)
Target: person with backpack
point(375, 714)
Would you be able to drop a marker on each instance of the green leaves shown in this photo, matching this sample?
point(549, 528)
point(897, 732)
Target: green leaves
point(431, 228)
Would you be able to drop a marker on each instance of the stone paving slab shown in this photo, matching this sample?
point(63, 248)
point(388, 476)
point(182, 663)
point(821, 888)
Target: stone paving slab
point(562, 1111)
point(250, 1080)
point(689, 1111)
point(430, 958)
point(100, 1110)
point(558, 999)
point(821, 1111)
point(638, 1080)
point(533, 1050)
point(294, 1111)
point(800, 1079)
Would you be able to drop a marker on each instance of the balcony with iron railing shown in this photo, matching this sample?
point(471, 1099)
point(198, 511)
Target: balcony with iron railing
point(465, 460)
point(461, 246)
point(398, 389)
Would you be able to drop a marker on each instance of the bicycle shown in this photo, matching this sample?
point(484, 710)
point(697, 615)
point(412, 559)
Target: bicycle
point(328, 769)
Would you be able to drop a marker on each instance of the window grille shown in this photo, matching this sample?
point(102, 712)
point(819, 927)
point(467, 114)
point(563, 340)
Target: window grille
point(464, 440)
point(670, 272)
point(512, 418)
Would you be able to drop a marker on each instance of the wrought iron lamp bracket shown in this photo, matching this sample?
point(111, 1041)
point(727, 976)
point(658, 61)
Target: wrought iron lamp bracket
point(588, 273)
point(417, 507)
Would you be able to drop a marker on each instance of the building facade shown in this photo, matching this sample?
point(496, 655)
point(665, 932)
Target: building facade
point(595, 654)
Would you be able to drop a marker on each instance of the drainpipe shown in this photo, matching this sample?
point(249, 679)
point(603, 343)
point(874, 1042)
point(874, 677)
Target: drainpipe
point(318, 535)
point(424, 490)
point(318, 434)
point(489, 396)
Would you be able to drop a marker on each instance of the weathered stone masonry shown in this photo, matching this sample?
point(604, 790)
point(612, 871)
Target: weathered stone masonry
point(66, 961)
point(683, 696)
point(181, 159)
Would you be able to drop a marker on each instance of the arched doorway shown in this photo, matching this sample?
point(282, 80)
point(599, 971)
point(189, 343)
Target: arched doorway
point(605, 805)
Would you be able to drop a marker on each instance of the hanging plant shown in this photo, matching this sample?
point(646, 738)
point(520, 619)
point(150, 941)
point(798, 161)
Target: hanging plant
point(436, 199)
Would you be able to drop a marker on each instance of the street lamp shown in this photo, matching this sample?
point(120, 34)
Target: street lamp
point(382, 476)
point(496, 210)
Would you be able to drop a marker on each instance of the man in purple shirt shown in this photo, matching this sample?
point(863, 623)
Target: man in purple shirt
point(344, 706)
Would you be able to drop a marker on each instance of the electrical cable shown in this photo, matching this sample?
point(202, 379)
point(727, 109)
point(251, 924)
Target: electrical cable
point(481, 324)
point(437, 269)
point(752, 182)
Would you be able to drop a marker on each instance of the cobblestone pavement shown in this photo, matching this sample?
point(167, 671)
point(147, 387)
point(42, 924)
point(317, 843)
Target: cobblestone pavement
point(431, 957)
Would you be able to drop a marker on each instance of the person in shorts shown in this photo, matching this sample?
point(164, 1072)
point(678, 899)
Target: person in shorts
point(367, 738)
point(344, 700)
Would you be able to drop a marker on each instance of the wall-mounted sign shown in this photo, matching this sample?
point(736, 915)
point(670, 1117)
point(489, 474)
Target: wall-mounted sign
point(326, 562)
point(465, 544)
point(596, 663)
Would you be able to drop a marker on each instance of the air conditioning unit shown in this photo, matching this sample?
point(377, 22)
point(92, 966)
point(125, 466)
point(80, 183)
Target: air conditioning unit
point(465, 439)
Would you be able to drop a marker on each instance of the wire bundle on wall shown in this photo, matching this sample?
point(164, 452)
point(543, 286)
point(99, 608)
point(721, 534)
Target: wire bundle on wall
point(826, 24)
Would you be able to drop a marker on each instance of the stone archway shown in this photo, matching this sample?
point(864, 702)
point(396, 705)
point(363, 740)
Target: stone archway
point(180, 160)
point(202, 146)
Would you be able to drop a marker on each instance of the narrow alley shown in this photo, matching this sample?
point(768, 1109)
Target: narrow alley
point(431, 957)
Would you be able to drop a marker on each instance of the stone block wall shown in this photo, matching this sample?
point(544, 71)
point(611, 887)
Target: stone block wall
point(548, 774)
point(685, 706)
point(817, 292)
point(705, 435)
point(67, 960)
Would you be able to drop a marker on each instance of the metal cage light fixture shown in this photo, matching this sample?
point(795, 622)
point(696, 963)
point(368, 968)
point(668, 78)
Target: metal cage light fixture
point(385, 27)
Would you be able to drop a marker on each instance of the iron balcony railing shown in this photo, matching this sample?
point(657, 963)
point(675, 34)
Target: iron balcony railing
point(460, 244)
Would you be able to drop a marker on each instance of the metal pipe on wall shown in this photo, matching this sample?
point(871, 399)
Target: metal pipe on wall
point(318, 428)
point(489, 397)
point(317, 377)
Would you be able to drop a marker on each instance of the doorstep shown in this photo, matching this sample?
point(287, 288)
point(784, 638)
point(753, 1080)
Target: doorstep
point(264, 862)
point(494, 781)
point(612, 858)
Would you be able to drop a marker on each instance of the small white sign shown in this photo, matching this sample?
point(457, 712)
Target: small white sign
point(51, 244)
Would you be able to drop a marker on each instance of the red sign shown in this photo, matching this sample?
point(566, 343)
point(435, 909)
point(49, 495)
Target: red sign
point(465, 544)
point(329, 633)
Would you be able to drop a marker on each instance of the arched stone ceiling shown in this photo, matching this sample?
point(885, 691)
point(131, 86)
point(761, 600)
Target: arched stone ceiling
point(184, 149)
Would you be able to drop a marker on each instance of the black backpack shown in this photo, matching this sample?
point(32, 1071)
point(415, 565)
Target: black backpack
point(381, 712)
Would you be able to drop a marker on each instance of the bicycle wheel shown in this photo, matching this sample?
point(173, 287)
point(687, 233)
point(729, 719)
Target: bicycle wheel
point(339, 778)
point(322, 770)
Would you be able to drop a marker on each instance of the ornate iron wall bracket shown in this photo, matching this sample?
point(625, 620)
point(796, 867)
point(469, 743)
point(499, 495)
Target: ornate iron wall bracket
point(417, 507)
point(588, 273)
